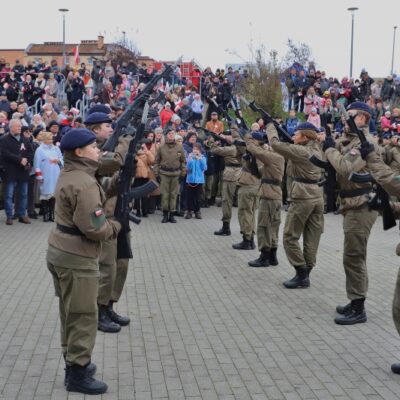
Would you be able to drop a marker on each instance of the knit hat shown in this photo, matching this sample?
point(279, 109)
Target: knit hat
point(77, 138)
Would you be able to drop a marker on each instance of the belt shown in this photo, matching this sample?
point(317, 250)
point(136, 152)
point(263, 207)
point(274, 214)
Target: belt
point(233, 165)
point(274, 182)
point(318, 182)
point(70, 230)
point(354, 193)
point(166, 169)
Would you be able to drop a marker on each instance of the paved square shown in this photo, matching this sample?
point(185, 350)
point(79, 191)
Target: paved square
point(203, 324)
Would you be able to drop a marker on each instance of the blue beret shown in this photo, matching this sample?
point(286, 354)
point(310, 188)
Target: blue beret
point(307, 126)
point(258, 136)
point(360, 106)
point(99, 108)
point(77, 137)
point(97, 118)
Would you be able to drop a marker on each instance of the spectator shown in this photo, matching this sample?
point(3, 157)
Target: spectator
point(197, 109)
point(292, 122)
point(78, 89)
point(166, 114)
point(314, 118)
point(49, 114)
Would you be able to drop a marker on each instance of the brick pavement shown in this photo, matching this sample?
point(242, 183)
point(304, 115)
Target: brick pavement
point(204, 325)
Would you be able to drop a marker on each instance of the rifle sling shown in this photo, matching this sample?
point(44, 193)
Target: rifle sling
point(273, 182)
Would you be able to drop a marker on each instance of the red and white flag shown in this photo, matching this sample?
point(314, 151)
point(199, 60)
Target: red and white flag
point(76, 54)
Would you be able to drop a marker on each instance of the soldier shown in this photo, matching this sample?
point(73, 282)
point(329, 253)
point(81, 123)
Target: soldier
point(358, 219)
point(305, 214)
point(112, 273)
point(232, 160)
point(249, 185)
point(384, 175)
point(72, 256)
point(170, 169)
point(269, 211)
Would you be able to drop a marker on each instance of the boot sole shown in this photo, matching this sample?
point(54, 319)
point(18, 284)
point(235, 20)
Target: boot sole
point(80, 390)
point(258, 266)
point(360, 321)
point(108, 330)
point(236, 248)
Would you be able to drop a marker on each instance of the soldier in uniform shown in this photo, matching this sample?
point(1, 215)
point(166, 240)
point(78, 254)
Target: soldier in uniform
point(232, 161)
point(249, 185)
point(112, 272)
point(269, 211)
point(390, 181)
point(170, 169)
point(358, 219)
point(72, 256)
point(306, 210)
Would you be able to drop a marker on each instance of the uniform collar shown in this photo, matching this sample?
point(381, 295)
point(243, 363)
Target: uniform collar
point(73, 162)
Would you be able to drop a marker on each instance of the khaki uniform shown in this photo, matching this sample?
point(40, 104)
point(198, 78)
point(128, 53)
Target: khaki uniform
point(358, 219)
point(72, 258)
point(110, 164)
point(391, 183)
point(306, 211)
point(270, 192)
point(229, 178)
point(170, 164)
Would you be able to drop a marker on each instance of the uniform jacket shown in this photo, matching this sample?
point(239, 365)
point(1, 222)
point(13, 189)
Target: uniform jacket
point(13, 151)
point(300, 166)
point(170, 160)
point(392, 157)
point(346, 161)
point(79, 204)
point(273, 169)
point(231, 156)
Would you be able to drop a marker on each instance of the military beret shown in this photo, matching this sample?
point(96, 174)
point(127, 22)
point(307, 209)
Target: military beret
point(306, 126)
point(99, 108)
point(76, 138)
point(97, 118)
point(360, 106)
point(258, 136)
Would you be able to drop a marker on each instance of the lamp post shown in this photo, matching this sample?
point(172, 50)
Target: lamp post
point(123, 33)
point(64, 11)
point(352, 10)
point(394, 41)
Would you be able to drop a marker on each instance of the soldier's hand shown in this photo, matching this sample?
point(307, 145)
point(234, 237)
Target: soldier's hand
point(329, 142)
point(365, 149)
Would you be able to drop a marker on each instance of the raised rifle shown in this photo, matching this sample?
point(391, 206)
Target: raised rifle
point(124, 124)
point(126, 194)
point(381, 199)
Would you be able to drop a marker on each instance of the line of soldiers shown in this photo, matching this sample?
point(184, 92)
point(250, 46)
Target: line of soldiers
point(82, 253)
point(305, 217)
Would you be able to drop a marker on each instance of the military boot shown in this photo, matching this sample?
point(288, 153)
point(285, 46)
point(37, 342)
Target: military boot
point(46, 211)
point(355, 315)
point(105, 324)
point(52, 204)
point(340, 309)
point(80, 381)
point(396, 368)
point(119, 319)
point(165, 217)
point(245, 244)
point(262, 261)
point(224, 231)
point(300, 280)
point(90, 370)
point(273, 260)
point(172, 218)
point(252, 243)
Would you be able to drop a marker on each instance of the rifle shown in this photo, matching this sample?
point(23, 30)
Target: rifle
point(381, 198)
point(314, 159)
point(283, 135)
point(125, 120)
point(125, 194)
point(218, 138)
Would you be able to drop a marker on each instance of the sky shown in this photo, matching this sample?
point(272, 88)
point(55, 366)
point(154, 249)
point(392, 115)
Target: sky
point(216, 32)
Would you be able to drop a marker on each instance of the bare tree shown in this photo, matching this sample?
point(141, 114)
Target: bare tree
point(123, 50)
point(297, 53)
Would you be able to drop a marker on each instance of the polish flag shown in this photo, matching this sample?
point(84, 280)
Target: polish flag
point(76, 54)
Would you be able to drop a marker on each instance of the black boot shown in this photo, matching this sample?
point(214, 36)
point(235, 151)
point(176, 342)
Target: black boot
point(343, 309)
point(245, 244)
point(90, 370)
point(172, 218)
point(396, 368)
point(300, 280)
point(355, 315)
point(224, 231)
point(105, 324)
point(45, 209)
point(165, 217)
point(52, 204)
point(252, 243)
point(80, 381)
point(273, 260)
point(119, 319)
point(262, 261)
point(212, 201)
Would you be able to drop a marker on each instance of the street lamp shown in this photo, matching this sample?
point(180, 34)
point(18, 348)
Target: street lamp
point(394, 41)
point(353, 10)
point(123, 33)
point(64, 11)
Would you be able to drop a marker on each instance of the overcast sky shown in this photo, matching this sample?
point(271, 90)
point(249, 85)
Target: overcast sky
point(216, 32)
